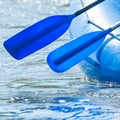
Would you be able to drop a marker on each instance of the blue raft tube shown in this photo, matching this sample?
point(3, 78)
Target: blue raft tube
point(104, 64)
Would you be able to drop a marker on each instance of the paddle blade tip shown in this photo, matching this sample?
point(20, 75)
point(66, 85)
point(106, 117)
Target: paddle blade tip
point(52, 65)
point(11, 51)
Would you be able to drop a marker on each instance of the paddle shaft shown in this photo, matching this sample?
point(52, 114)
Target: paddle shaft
point(115, 26)
point(88, 7)
point(91, 41)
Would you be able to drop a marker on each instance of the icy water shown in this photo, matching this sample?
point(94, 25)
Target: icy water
point(29, 90)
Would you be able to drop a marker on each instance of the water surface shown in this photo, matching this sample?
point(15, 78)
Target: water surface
point(31, 91)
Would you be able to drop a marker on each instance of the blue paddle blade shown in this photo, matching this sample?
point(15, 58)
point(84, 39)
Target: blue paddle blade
point(75, 51)
point(37, 36)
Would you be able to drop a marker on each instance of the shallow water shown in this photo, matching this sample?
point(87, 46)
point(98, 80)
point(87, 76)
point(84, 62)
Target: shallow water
point(31, 91)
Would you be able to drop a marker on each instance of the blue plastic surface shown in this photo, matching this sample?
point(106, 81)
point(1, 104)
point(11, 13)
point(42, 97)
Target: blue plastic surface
point(75, 51)
point(110, 61)
point(37, 36)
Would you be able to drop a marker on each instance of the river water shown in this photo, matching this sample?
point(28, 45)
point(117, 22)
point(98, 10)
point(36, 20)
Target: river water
point(30, 90)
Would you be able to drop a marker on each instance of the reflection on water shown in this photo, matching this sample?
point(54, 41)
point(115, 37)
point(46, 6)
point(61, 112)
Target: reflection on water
point(30, 90)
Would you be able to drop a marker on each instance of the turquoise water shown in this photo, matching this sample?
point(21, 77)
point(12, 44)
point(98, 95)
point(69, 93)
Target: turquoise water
point(29, 90)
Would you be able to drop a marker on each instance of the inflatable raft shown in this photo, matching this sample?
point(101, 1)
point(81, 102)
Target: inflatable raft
point(103, 64)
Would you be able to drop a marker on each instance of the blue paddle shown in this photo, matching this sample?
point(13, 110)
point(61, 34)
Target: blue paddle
point(41, 34)
point(70, 54)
